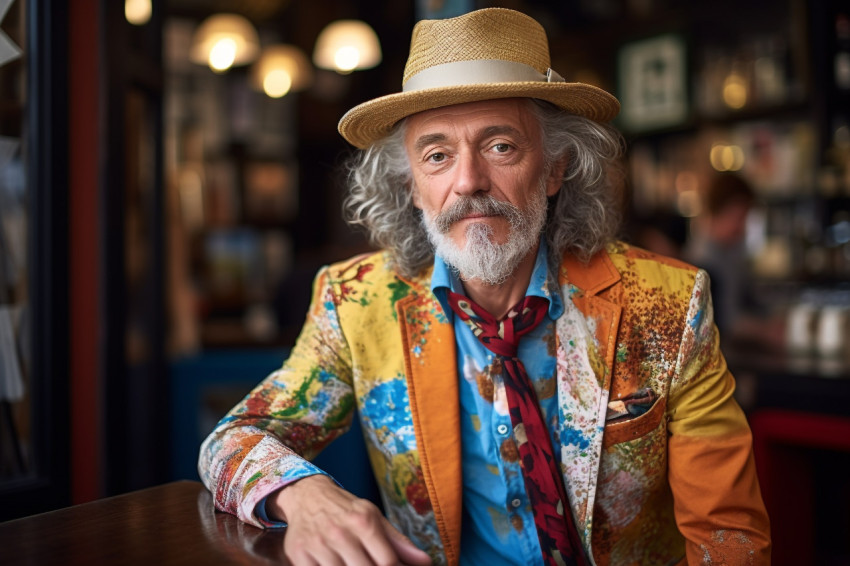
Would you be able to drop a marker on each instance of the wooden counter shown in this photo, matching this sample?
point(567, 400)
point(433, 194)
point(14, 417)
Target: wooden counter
point(168, 524)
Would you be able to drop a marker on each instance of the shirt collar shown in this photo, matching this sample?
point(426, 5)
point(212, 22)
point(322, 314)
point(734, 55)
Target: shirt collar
point(541, 285)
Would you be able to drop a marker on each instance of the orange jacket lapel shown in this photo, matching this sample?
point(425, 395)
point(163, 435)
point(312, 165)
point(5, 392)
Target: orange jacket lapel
point(432, 382)
point(590, 279)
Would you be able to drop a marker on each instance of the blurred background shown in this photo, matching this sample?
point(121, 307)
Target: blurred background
point(170, 182)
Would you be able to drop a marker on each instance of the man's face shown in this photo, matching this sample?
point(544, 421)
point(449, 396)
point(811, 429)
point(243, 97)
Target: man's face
point(479, 176)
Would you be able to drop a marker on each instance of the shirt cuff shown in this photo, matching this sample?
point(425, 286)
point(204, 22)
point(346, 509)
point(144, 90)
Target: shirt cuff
point(260, 509)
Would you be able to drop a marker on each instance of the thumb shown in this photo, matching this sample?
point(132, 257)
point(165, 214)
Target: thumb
point(408, 553)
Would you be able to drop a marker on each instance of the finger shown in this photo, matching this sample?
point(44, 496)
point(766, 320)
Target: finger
point(298, 558)
point(297, 553)
point(366, 527)
point(307, 547)
point(357, 550)
point(329, 556)
point(321, 555)
point(407, 552)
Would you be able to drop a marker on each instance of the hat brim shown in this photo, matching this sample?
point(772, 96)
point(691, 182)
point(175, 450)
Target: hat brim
point(370, 121)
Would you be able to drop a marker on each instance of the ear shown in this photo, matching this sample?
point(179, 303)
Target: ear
point(556, 176)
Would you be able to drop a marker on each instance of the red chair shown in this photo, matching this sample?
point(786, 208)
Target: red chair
point(794, 452)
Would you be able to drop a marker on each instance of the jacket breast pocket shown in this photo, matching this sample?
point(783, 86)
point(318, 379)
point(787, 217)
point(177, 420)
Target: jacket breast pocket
point(631, 429)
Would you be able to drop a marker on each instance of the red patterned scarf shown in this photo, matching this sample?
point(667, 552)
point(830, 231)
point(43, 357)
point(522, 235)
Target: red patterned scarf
point(556, 529)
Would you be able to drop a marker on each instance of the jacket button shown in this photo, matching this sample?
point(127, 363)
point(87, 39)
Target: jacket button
point(502, 429)
point(516, 503)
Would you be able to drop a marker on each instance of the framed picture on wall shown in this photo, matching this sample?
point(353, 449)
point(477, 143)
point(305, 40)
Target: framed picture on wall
point(652, 77)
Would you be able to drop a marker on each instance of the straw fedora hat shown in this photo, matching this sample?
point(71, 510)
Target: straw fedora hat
point(483, 55)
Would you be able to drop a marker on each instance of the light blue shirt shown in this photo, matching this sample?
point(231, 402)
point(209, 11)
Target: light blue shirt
point(498, 524)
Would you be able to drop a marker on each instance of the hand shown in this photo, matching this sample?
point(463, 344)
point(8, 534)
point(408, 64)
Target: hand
point(328, 525)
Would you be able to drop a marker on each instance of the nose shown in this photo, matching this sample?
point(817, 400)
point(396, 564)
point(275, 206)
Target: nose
point(471, 174)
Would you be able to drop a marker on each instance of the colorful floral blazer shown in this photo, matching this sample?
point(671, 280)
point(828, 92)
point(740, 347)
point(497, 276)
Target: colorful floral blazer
point(676, 484)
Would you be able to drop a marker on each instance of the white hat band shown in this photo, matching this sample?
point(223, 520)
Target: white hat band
point(479, 71)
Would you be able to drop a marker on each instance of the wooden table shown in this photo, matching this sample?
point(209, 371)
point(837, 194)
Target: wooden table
point(168, 524)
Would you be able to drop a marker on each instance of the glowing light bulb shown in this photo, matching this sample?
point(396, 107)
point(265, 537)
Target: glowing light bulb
point(347, 45)
point(736, 159)
point(223, 41)
point(735, 91)
point(347, 58)
point(726, 157)
point(137, 12)
point(222, 54)
point(277, 83)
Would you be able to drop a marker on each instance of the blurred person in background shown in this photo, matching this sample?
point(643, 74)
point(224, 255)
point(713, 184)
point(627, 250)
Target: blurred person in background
point(719, 246)
point(531, 390)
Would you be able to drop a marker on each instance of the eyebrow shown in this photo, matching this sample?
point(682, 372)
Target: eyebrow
point(428, 139)
point(423, 141)
point(502, 130)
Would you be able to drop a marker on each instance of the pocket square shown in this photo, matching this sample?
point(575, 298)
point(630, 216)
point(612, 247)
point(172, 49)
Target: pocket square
point(631, 406)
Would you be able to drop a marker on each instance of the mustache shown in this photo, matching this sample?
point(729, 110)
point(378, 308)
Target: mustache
point(481, 204)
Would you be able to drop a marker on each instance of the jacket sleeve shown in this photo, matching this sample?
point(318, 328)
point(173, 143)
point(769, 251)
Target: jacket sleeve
point(717, 501)
point(266, 441)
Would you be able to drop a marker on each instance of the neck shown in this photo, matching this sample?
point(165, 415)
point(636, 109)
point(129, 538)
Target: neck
point(498, 299)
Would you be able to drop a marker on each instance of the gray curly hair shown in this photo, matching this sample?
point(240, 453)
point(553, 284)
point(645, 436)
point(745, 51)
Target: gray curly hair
point(583, 216)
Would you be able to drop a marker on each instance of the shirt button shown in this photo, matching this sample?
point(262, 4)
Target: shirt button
point(516, 503)
point(502, 429)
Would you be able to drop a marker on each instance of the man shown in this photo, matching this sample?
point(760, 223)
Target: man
point(534, 391)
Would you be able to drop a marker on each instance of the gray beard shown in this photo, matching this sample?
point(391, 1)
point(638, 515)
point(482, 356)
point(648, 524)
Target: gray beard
point(480, 258)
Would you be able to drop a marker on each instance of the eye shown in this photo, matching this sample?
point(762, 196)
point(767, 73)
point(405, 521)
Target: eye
point(436, 157)
point(502, 147)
